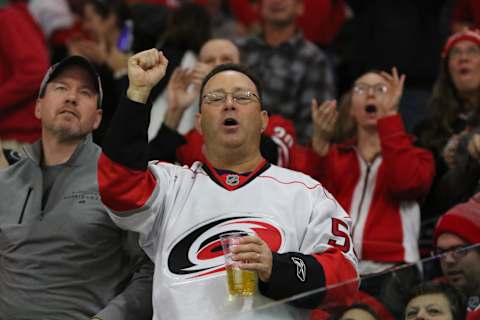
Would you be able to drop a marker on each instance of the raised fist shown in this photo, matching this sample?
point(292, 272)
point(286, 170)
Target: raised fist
point(145, 70)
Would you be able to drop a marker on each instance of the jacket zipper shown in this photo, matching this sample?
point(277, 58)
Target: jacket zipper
point(25, 205)
point(362, 198)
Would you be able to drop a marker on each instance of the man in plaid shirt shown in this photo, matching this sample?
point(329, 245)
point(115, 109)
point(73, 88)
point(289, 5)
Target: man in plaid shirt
point(293, 70)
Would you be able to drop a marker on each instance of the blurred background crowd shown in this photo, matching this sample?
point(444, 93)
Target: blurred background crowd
point(309, 55)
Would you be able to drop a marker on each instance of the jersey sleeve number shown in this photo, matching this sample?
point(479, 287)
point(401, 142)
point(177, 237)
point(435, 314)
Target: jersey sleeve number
point(336, 224)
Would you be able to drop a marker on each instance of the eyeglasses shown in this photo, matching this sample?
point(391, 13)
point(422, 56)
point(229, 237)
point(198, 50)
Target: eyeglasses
point(470, 52)
point(238, 97)
point(456, 252)
point(378, 89)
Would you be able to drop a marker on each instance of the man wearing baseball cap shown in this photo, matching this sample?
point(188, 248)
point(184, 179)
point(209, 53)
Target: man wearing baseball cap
point(61, 256)
point(457, 239)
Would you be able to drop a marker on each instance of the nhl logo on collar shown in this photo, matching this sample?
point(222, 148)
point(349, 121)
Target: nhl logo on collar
point(232, 180)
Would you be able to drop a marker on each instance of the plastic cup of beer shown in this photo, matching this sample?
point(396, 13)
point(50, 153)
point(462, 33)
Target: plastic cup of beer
point(240, 282)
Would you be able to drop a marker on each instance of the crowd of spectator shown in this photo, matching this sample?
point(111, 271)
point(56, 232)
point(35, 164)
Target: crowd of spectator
point(377, 100)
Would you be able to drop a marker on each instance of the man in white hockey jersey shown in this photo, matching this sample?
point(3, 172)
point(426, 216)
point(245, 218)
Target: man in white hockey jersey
point(302, 240)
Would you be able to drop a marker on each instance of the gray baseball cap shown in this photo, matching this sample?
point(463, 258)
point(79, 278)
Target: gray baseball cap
point(79, 61)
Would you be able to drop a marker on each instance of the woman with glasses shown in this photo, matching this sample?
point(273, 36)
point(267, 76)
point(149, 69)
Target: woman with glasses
point(363, 155)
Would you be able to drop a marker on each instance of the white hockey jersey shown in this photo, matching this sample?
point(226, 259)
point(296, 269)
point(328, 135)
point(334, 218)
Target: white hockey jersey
point(180, 213)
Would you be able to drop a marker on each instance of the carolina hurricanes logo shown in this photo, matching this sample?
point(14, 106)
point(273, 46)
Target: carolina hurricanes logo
point(199, 252)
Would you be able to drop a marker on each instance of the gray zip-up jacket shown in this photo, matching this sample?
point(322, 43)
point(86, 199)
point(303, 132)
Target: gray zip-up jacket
point(69, 260)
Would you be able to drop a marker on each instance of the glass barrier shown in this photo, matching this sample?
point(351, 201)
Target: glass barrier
point(385, 295)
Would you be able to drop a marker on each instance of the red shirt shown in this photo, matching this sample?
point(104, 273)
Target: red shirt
point(467, 11)
point(320, 21)
point(24, 59)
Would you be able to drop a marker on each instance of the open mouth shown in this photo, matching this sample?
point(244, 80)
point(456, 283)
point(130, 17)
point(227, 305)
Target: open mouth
point(68, 112)
point(230, 122)
point(277, 7)
point(455, 275)
point(371, 109)
point(464, 71)
point(454, 272)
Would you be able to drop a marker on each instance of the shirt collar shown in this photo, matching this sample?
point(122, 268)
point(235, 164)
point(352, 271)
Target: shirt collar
point(35, 151)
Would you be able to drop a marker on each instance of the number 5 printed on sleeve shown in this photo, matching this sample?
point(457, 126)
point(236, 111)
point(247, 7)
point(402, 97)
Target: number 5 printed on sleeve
point(340, 230)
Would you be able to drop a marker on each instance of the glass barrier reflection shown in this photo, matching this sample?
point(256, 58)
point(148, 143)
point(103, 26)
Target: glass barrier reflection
point(446, 283)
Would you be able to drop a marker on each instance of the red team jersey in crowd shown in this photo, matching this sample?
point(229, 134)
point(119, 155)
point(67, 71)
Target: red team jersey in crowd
point(279, 129)
point(474, 314)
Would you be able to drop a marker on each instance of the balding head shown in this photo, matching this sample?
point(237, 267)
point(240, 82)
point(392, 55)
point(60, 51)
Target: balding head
point(219, 51)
